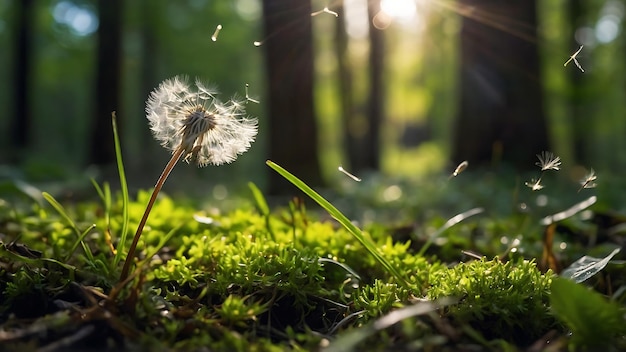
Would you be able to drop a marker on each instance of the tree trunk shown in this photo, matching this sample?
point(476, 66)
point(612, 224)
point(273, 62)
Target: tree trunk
point(576, 96)
point(148, 79)
point(345, 86)
point(501, 114)
point(288, 48)
point(368, 157)
point(108, 78)
point(22, 114)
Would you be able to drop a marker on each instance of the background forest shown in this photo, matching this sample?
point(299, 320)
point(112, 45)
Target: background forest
point(408, 88)
point(486, 136)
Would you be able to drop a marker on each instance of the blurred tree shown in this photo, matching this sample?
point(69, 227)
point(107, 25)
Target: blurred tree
point(346, 91)
point(293, 138)
point(108, 78)
point(361, 134)
point(501, 115)
point(367, 156)
point(149, 52)
point(576, 96)
point(22, 113)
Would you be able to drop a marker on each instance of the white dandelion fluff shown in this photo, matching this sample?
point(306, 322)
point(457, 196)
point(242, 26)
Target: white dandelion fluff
point(191, 117)
point(548, 161)
point(193, 124)
point(589, 180)
point(535, 185)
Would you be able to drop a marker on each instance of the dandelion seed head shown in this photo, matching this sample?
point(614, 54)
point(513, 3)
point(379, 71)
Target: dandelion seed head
point(190, 116)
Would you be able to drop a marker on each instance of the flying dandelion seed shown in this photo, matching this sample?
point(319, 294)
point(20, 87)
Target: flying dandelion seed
point(573, 58)
point(248, 99)
point(325, 10)
point(217, 31)
point(257, 43)
point(588, 181)
point(349, 174)
point(462, 166)
point(534, 185)
point(548, 161)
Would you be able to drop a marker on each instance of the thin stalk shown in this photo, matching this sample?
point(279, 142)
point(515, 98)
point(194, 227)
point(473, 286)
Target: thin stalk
point(157, 188)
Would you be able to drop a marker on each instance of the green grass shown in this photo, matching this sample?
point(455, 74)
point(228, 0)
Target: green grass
point(290, 277)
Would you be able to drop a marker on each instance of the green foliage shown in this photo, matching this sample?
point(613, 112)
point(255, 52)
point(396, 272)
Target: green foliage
point(508, 300)
point(596, 324)
point(236, 310)
point(80, 235)
point(379, 298)
point(275, 279)
point(343, 220)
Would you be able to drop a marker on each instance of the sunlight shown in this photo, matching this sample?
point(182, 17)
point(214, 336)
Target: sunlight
point(356, 18)
point(81, 20)
point(401, 10)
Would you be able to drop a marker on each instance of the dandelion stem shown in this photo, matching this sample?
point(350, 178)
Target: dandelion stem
point(157, 188)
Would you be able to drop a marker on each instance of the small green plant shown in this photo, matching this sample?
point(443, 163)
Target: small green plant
point(237, 310)
point(379, 298)
point(509, 300)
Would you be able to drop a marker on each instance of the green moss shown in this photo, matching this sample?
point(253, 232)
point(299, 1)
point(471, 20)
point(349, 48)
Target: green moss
point(270, 281)
point(507, 300)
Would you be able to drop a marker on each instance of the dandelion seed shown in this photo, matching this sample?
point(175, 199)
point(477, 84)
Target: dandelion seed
point(325, 10)
point(534, 185)
point(349, 174)
point(248, 99)
point(192, 118)
point(548, 161)
point(588, 181)
point(579, 66)
point(573, 58)
point(462, 166)
point(257, 43)
point(217, 31)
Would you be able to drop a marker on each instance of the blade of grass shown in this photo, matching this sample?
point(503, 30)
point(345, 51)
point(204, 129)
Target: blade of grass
point(369, 245)
point(105, 194)
point(120, 168)
point(98, 188)
point(259, 199)
point(59, 208)
point(38, 262)
point(263, 207)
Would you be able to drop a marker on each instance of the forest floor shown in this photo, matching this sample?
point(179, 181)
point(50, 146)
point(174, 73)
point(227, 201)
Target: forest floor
point(455, 263)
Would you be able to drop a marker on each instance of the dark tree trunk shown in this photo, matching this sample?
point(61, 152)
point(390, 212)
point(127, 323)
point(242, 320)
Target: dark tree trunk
point(368, 157)
point(148, 79)
point(289, 62)
point(501, 115)
point(108, 72)
point(345, 87)
point(580, 125)
point(21, 120)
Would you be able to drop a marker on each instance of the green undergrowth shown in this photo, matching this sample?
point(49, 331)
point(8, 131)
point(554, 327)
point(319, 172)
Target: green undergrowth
point(254, 279)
